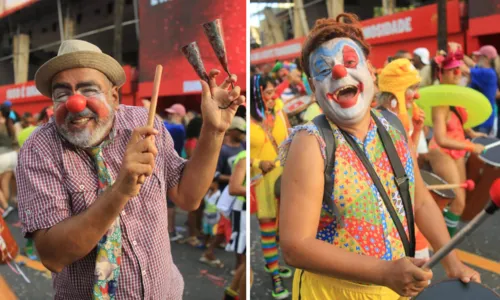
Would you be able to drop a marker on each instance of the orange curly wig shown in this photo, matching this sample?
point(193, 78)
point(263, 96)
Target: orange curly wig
point(328, 29)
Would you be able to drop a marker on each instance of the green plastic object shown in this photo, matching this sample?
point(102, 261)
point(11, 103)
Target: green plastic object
point(478, 107)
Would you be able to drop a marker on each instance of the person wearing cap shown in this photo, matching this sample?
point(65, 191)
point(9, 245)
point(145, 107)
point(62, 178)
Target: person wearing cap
point(173, 123)
point(92, 187)
point(484, 79)
point(398, 84)
point(449, 146)
point(343, 243)
point(233, 145)
point(421, 61)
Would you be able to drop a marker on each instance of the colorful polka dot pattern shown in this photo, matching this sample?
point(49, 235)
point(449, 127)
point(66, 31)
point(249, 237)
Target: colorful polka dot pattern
point(367, 225)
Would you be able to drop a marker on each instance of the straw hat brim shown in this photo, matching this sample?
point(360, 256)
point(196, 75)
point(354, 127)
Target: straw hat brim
point(81, 59)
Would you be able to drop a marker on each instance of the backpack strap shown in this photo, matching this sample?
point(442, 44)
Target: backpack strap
point(402, 183)
point(326, 132)
point(393, 120)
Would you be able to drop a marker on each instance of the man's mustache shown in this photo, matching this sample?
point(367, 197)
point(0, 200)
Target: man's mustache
point(86, 113)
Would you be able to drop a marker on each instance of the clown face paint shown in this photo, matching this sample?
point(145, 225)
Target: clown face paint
point(342, 79)
point(88, 125)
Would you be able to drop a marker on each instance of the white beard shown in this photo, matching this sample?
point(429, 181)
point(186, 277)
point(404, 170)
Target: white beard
point(85, 138)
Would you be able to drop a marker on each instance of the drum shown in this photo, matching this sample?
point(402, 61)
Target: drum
point(295, 107)
point(457, 290)
point(442, 197)
point(483, 170)
point(8, 246)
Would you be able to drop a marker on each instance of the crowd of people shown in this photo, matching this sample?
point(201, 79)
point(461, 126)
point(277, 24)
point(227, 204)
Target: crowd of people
point(220, 221)
point(314, 186)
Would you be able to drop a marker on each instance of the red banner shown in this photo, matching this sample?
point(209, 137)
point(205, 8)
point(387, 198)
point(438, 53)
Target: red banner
point(409, 25)
point(166, 26)
point(415, 24)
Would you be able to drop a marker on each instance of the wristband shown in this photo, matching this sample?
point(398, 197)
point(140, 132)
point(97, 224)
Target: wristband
point(256, 163)
point(469, 146)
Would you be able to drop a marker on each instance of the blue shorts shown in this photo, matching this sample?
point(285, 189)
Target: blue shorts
point(208, 229)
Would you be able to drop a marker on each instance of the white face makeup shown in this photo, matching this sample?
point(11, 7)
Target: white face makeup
point(342, 79)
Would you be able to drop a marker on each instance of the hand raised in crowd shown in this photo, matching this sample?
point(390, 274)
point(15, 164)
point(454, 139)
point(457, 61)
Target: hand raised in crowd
point(139, 159)
point(418, 120)
point(215, 98)
point(266, 166)
point(405, 276)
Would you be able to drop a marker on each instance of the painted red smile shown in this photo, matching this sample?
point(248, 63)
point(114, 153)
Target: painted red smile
point(346, 96)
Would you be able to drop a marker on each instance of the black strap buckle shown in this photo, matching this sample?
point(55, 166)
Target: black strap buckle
point(401, 180)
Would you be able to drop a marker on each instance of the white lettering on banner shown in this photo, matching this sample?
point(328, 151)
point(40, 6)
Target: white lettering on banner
point(191, 86)
point(156, 2)
point(273, 53)
point(22, 92)
point(397, 26)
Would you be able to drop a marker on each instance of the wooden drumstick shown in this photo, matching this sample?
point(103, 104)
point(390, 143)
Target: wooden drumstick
point(152, 107)
point(492, 145)
point(468, 185)
point(492, 206)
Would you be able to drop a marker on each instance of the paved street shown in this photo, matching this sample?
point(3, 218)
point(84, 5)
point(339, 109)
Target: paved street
point(480, 250)
point(201, 281)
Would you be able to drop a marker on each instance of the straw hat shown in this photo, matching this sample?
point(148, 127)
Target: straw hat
point(78, 54)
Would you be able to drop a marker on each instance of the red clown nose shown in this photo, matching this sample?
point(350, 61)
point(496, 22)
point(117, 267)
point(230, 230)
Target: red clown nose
point(339, 72)
point(416, 96)
point(76, 103)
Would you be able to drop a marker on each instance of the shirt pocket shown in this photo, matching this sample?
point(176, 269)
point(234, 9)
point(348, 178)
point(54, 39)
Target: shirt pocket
point(83, 191)
point(154, 187)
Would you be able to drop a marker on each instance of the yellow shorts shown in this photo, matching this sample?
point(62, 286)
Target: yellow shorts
point(310, 286)
point(267, 204)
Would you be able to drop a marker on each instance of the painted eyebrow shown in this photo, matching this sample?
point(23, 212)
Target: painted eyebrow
point(64, 85)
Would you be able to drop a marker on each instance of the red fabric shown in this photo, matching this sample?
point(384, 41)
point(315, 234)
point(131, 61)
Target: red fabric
point(190, 143)
point(253, 200)
point(224, 227)
point(285, 84)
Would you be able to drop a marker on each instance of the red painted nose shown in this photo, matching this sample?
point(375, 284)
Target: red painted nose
point(339, 72)
point(76, 103)
point(416, 96)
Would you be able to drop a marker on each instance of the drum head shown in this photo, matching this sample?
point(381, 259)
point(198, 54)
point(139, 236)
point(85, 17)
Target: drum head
point(296, 105)
point(457, 290)
point(432, 179)
point(492, 156)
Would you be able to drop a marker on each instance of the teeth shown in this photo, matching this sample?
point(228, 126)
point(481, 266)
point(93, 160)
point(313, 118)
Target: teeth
point(81, 121)
point(344, 88)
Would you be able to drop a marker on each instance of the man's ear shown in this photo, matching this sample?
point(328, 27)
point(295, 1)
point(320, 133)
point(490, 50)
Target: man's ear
point(115, 96)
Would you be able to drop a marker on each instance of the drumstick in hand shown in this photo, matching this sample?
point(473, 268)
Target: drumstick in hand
point(492, 145)
point(490, 208)
point(152, 106)
point(468, 185)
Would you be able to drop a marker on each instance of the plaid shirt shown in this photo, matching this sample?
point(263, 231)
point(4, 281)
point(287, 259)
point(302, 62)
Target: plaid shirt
point(57, 181)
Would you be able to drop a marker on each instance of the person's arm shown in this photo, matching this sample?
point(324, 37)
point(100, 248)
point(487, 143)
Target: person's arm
point(199, 171)
point(302, 188)
point(474, 134)
point(439, 119)
point(469, 62)
point(236, 186)
point(430, 221)
point(61, 238)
